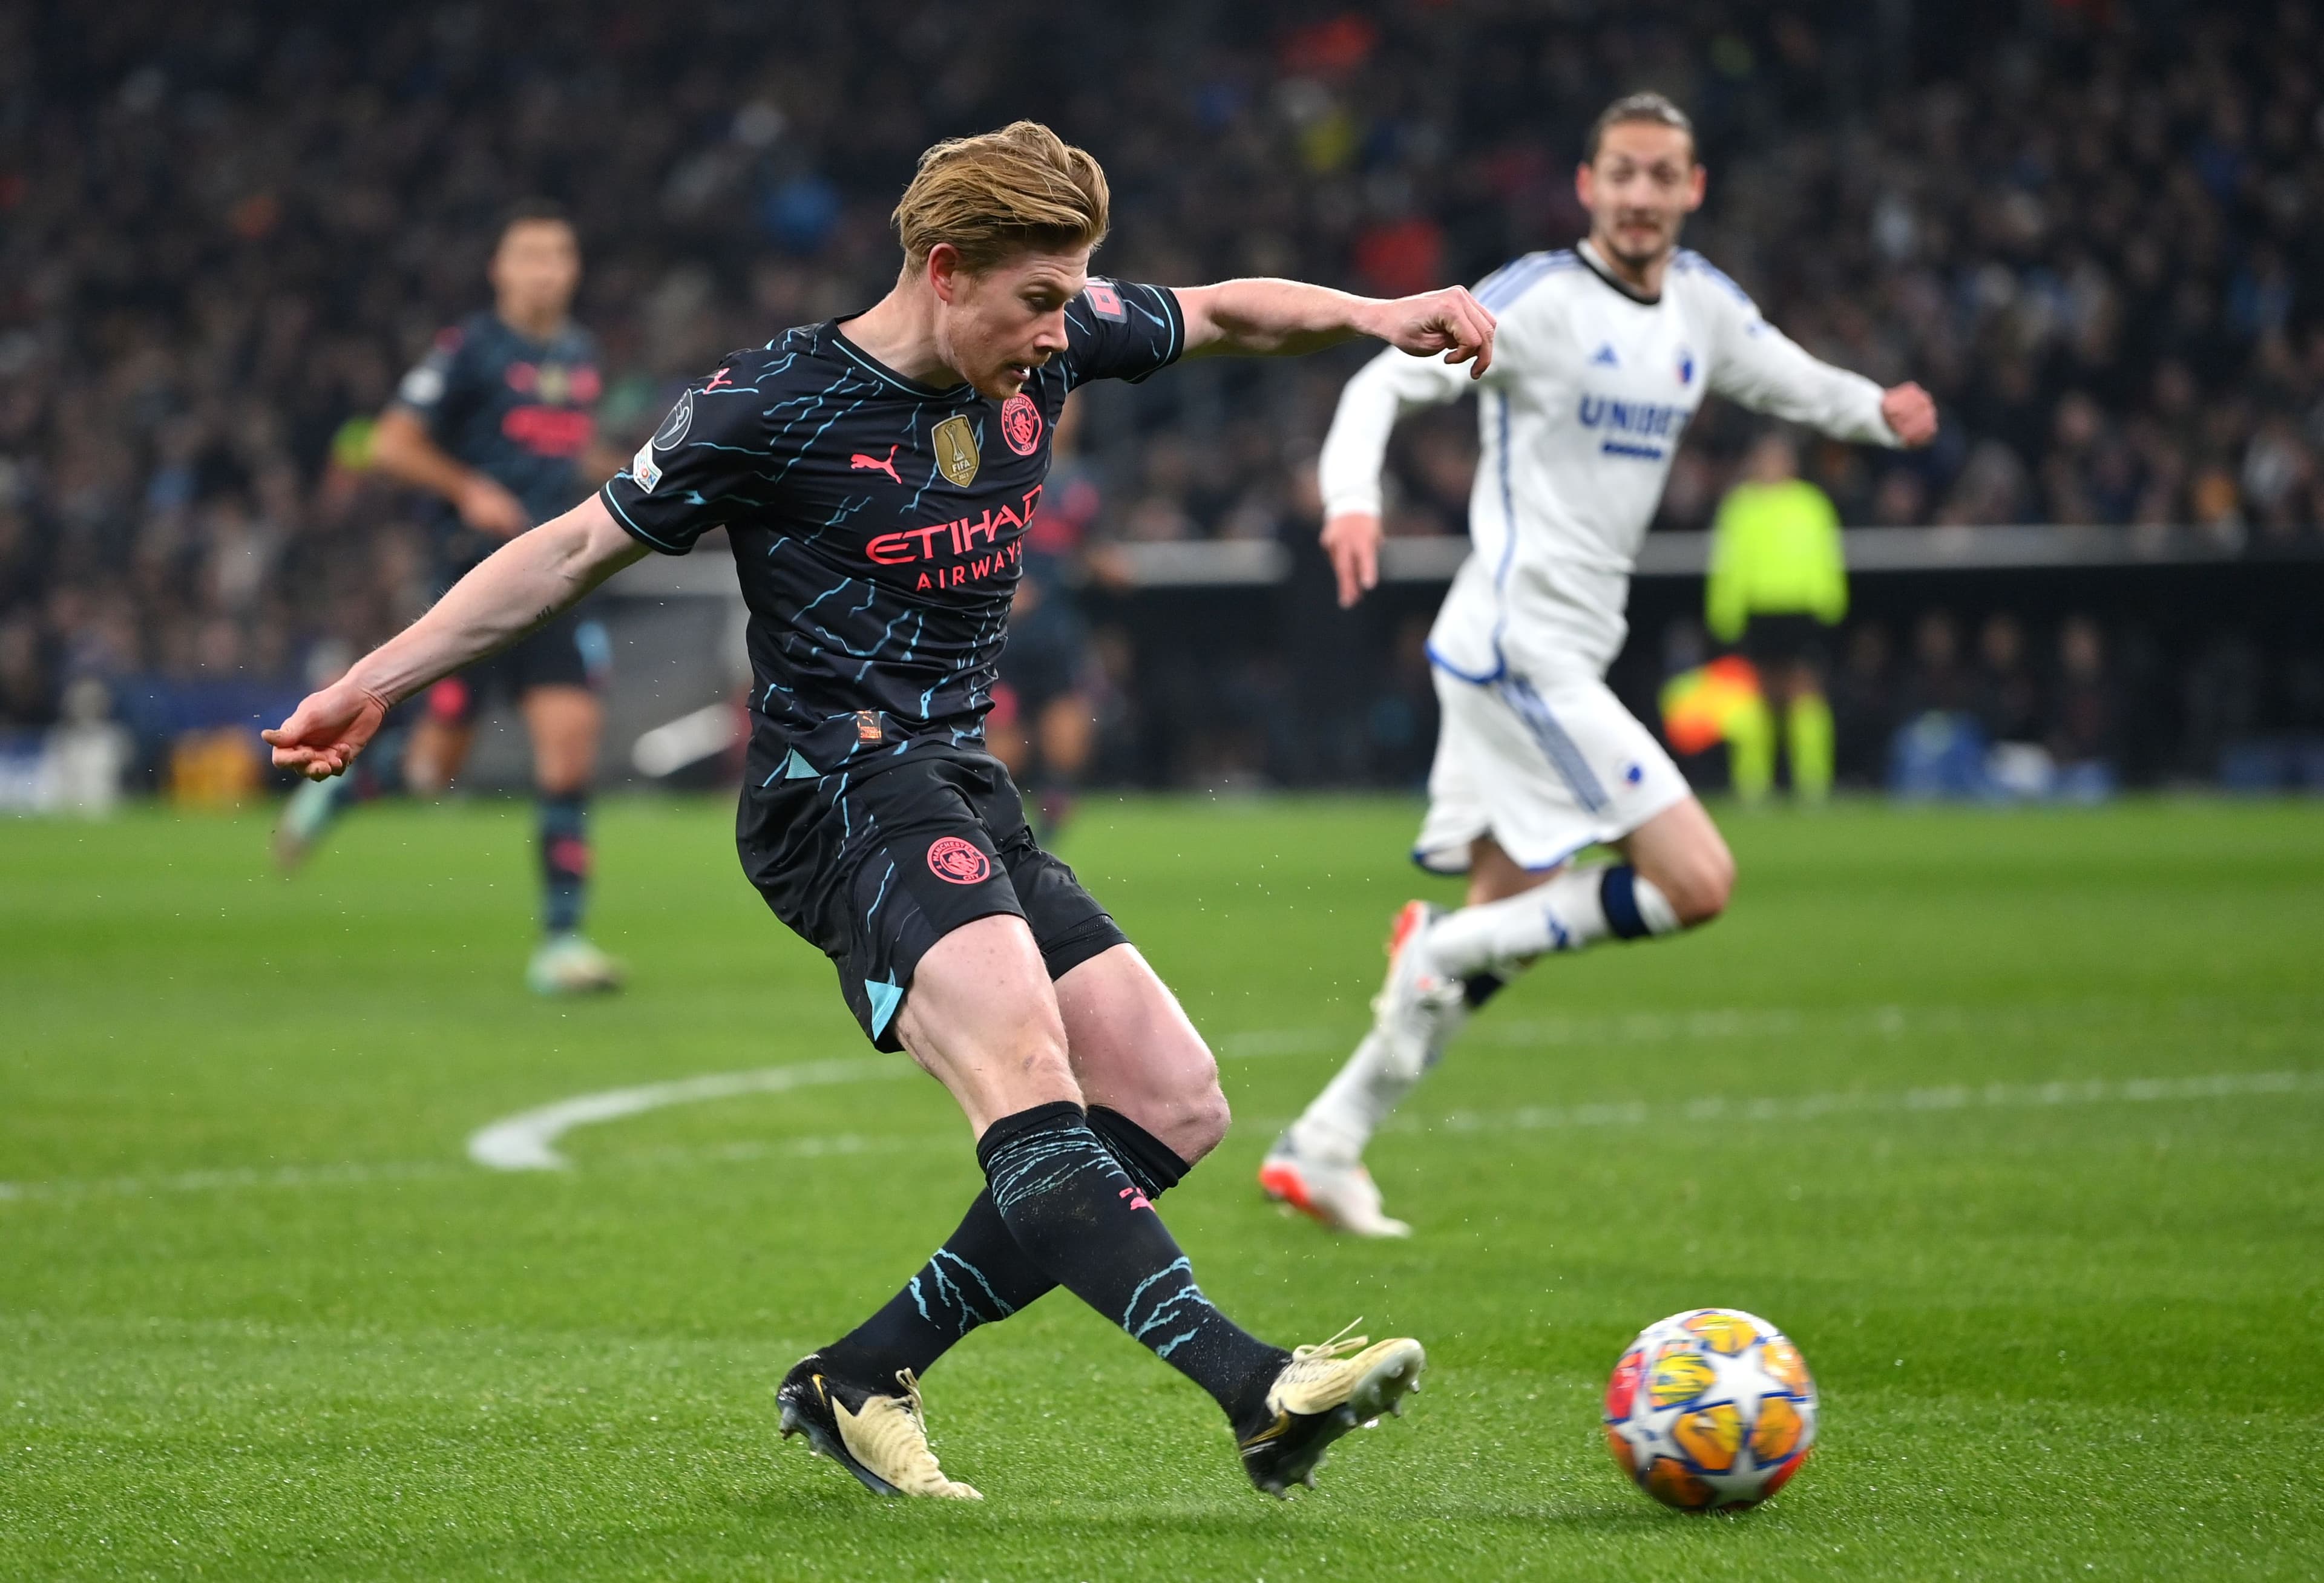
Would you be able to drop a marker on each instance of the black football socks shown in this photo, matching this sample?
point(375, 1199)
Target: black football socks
point(564, 825)
point(980, 1274)
point(1078, 1215)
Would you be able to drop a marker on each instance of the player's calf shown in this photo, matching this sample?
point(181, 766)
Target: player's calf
point(1072, 1208)
point(1135, 1052)
point(980, 1275)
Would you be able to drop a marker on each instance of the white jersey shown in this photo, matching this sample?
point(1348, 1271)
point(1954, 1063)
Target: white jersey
point(1578, 418)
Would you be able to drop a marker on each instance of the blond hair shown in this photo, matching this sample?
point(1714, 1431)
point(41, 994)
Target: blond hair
point(1002, 192)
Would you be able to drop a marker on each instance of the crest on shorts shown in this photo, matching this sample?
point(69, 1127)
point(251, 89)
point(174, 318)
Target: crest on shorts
point(1021, 423)
point(957, 457)
point(957, 860)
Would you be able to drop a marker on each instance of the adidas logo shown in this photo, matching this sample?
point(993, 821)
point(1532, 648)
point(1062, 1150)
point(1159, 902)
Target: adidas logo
point(1606, 356)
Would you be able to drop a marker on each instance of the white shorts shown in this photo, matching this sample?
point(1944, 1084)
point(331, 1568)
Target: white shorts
point(1544, 772)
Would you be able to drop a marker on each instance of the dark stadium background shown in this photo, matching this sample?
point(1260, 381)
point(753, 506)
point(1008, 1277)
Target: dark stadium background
point(2094, 229)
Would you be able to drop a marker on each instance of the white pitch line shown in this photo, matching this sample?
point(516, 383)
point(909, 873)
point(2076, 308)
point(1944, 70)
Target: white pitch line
point(1809, 1106)
point(2174, 1090)
point(527, 1140)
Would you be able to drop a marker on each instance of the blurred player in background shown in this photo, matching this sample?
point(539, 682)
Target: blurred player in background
point(875, 474)
point(1045, 710)
point(496, 424)
point(1777, 583)
point(1605, 351)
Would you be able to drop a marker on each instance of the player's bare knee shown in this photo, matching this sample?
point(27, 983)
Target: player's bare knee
point(1696, 877)
point(1180, 1102)
point(1699, 889)
point(1199, 1121)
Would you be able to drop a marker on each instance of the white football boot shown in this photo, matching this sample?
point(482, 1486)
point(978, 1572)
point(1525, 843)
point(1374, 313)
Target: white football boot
point(1416, 1014)
point(1340, 1195)
point(567, 964)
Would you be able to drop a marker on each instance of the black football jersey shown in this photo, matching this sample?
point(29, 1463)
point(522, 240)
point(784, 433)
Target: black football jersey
point(878, 524)
point(520, 411)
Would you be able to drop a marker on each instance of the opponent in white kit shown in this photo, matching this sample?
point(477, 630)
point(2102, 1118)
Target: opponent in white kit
point(1604, 352)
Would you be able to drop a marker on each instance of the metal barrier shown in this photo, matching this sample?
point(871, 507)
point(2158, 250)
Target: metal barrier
point(1242, 640)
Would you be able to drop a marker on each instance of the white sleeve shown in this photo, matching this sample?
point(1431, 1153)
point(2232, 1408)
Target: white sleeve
point(1390, 385)
point(1756, 364)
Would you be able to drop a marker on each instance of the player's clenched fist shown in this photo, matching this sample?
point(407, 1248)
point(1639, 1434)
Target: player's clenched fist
point(1450, 321)
point(327, 731)
point(1911, 412)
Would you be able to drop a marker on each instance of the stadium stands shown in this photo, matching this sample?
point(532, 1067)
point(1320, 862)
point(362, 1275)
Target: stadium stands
point(2094, 230)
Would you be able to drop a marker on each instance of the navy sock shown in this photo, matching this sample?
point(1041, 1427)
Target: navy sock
point(1080, 1217)
point(1617, 893)
point(564, 860)
point(980, 1274)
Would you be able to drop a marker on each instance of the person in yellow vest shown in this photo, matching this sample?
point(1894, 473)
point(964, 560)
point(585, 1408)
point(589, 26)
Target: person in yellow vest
point(1777, 583)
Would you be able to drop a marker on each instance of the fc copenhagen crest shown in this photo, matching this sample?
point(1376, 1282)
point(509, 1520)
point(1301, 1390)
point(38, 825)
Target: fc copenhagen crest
point(957, 457)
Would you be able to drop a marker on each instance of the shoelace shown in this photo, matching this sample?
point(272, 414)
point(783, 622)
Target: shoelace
point(915, 1450)
point(1338, 1345)
point(911, 1383)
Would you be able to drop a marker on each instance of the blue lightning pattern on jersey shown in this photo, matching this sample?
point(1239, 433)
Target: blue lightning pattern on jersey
point(898, 509)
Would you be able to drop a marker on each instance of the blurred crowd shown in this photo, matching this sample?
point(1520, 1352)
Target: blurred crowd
point(2002, 707)
point(2094, 228)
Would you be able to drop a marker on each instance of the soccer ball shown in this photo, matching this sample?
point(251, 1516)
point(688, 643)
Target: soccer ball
point(1711, 1409)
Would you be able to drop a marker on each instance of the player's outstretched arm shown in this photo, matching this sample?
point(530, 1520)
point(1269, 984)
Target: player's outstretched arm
point(1260, 317)
point(521, 586)
point(1760, 367)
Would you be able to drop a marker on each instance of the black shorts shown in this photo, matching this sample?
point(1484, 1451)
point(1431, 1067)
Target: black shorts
point(571, 651)
point(1785, 640)
point(874, 863)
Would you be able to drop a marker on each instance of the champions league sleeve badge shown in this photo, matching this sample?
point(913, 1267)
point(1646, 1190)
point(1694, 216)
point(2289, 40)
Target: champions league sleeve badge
point(673, 427)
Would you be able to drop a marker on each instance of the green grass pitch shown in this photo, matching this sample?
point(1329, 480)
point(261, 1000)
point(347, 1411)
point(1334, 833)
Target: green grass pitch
point(2013, 1121)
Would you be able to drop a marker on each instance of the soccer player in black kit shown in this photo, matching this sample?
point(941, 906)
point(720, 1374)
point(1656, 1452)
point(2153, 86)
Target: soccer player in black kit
point(496, 424)
point(874, 474)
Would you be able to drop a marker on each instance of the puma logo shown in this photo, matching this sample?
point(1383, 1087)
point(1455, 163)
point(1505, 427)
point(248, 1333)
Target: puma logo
point(1137, 1200)
point(863, 464)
